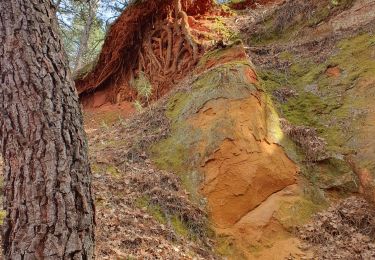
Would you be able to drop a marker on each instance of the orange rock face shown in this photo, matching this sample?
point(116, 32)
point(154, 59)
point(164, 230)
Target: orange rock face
point(227, 140)
point(247, 167)
point(261, 229)
point(239, 178)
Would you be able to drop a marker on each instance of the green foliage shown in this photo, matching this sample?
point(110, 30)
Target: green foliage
point(143, 86)
point(179, 226)
point(72, 17)
point(220, 28)
point(138, 106)
point(104, 125)
point(153, 210)
point(112, 170)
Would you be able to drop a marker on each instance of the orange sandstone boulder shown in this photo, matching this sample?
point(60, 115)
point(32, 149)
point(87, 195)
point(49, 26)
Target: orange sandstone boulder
point(225, 144)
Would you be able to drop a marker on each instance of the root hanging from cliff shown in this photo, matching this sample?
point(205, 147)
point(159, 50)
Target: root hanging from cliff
point(168, 51)
point(152, 38)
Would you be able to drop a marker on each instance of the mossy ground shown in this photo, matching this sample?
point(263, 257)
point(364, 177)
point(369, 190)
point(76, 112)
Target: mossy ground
point(294, 214)
point(153, 210)
point(220, 28)
point(182, 151)
point(326, 103)
point(323, 102)
point(226, 246)
point(288, 21)
point(173, 221)
point(104, 168)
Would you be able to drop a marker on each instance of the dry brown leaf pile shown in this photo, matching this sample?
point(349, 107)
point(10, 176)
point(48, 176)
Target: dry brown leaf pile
point(344, 231)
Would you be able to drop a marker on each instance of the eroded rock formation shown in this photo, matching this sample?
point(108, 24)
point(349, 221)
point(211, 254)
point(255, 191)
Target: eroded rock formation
point(155, 40)
point(225, 140)
point(248, 166)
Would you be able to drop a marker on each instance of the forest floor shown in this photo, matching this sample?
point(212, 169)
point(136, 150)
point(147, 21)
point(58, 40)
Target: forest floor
point(142, 212)
point(119, 154)
point(140, 209)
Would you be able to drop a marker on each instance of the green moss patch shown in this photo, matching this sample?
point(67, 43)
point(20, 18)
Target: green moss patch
point(179, 226)
point(226, 247)
point(153, 210)
point(334, 106)
point(294, 214)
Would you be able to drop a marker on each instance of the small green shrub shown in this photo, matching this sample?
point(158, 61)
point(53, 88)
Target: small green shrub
point(143, 85)
point(138, 106)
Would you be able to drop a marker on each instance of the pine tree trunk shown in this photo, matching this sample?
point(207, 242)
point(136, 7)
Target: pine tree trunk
point(84, 40)
point(47, 177)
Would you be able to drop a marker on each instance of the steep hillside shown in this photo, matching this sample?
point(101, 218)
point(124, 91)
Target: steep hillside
point(234, 131)
point(267, 124)
point(320, 71)
point(152, 42)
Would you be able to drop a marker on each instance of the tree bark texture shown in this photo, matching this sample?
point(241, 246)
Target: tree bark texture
point(47, 176)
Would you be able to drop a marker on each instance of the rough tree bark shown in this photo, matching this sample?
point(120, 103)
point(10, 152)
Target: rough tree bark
point(47, 177)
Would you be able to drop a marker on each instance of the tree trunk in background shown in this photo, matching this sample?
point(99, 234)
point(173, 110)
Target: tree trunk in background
point(47, 177)
point(84, 41)
point(57, 4)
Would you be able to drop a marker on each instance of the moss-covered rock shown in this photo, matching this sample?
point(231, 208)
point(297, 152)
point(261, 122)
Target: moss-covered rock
point(339, 106)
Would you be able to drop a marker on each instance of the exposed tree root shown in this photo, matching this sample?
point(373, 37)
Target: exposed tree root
point(150, 37)
point(169, 51)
